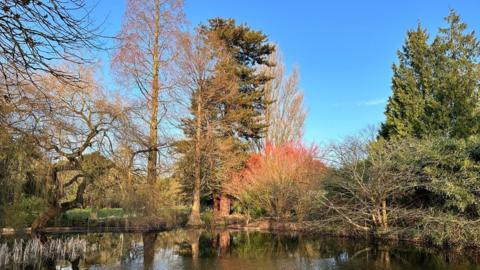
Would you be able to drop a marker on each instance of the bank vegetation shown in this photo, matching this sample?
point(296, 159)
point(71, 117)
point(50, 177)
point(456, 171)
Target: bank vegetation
point(204, 124)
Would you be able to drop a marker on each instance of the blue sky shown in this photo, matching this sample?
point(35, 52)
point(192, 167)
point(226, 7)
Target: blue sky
point(344, 49)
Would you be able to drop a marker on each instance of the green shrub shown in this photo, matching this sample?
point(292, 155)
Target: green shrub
point(78, 214)
point(248, 208)
point(208, 217)
point(450, 231)
point(110, 212)
point(80, 217)
point(473, 148)
point(22, 212)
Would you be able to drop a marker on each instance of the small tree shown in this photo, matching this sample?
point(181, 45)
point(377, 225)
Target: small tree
point(368, 179)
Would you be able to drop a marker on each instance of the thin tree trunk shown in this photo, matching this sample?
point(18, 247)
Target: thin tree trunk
point(224, 207)
point(384, 214)
point(153, 138)
point(194, 219)
point(374, 220)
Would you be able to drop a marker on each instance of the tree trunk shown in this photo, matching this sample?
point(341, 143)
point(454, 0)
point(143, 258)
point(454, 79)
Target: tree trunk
point(153, 138)
point(384, 214)
point(374, 220)
point(194, 219)
point(44, 218)
point(222, 205)
point(55, 207)
point(75, 264)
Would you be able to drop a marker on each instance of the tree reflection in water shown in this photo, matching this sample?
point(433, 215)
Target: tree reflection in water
point(223, 249)
point(148, 250)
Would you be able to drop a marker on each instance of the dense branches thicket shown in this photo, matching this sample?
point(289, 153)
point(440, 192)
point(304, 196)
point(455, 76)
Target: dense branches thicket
point(208, 129)
point(36, 35)
point(406, 188)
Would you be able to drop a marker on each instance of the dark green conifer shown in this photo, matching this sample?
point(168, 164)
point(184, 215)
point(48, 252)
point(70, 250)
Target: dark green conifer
point(436, 86)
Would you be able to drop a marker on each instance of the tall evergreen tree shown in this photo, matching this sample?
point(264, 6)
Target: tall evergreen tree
point(204, 76)
point(243, 111)
point(436, 86)
point(227, 105)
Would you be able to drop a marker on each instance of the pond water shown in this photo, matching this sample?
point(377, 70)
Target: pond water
point(193, 249)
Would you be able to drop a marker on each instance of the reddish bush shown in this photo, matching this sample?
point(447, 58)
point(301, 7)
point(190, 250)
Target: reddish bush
point(281, 181)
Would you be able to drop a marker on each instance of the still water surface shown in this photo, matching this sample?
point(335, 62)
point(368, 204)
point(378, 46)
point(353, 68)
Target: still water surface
point(231, 250)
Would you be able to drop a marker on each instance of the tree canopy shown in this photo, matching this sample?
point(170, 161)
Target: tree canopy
point(435, 84)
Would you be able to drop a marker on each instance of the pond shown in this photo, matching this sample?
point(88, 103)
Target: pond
point(193, 249)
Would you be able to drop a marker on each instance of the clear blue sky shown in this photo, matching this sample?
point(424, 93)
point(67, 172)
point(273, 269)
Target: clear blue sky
point(345, 49)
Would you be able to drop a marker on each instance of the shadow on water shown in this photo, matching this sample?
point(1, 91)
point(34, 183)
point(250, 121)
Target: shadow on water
point(223, 249)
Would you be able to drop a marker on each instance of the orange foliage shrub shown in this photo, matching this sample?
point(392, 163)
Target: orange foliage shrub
point(281, 181)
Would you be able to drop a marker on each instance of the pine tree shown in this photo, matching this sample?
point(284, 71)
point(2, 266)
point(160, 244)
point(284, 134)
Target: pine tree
point(457, 102)
point(243, 110)
point(227, 105)
point(435, 86)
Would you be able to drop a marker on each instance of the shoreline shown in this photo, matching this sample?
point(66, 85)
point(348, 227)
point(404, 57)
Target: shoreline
point(312, 228)
point(259, 225)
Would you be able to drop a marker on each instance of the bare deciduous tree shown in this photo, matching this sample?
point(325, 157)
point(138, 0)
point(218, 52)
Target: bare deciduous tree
point(35, 35)
point(369, 179)
point(286, 114)
point(142, 62)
